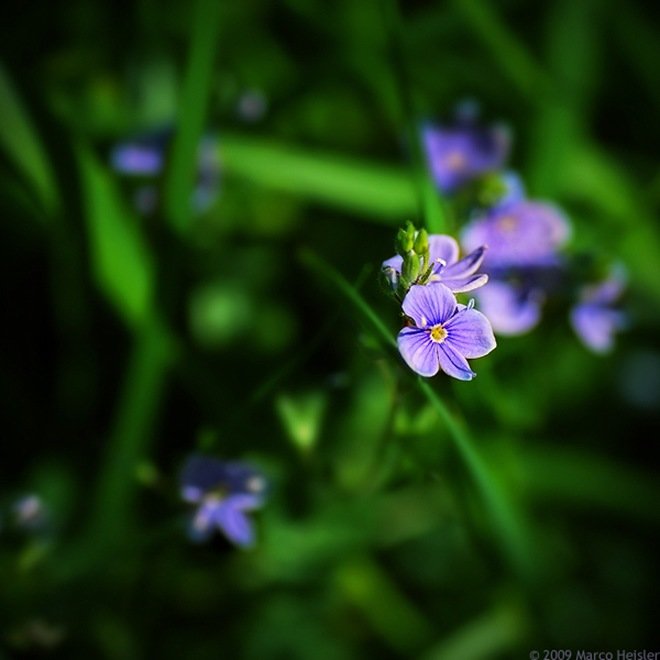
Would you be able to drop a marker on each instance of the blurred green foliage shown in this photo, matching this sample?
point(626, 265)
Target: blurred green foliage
point(440, 520)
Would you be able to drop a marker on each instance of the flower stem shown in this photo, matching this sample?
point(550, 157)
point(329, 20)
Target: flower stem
point(506, 521)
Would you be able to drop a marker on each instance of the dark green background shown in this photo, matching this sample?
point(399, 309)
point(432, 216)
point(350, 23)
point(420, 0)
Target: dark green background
point(131, 342)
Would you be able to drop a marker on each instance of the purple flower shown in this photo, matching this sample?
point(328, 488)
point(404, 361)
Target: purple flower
point(30, 513)
point(524, 233)
point(445, 333)
point(511, 308)
point(595, 319)
point(137, 159)
point(145, 157)
point(459, 276)
point(223, 492)
point(459, 153)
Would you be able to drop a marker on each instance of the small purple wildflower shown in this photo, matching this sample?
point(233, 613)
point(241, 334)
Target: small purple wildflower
point(511, 308)
point(30, 514)
point(459, 276)
point(524, 233)
point(595, 319)
point(445, 333)
point(145, 157)
point(223, 492)
point(137, 159)
point(459, 153)
point(523, 259)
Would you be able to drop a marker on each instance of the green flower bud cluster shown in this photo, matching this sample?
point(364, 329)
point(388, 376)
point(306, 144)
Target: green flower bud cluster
point(413, 247)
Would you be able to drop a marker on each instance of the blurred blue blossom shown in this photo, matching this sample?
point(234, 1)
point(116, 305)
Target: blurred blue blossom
point(144, 157)
point(523, 233)
point(30, 513)
point(457, 275)
point(444, 335)
point(458, 153)
point(223, 492)
point(511, 307)
point(595, 318)
point(523, 259)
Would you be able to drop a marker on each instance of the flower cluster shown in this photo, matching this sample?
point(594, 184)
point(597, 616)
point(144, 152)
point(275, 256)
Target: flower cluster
point(222, 492)
point(440, 333)
point(525, 260)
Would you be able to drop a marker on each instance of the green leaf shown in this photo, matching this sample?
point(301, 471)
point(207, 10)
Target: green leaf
point(121, 261)
point(180, 178)
point(20, 141)
point(507, 52)
point(384, 194)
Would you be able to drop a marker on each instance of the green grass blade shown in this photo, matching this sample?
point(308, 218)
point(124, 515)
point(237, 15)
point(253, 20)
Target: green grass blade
point(493, 634)
point(381, 193)
point(506, 50)
point(432, 207)
point(181, 174)
point(506, 521)
point(132, 433)
point(21, 143)
point(315, 263)
point(121, 261)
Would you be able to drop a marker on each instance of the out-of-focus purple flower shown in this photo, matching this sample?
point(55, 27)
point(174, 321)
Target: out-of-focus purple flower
point(459, 276)
point(523, 233)
point(145, 157)
point(445, 334)
point(511, 308)
point(223, 492)
point(137, 159)
point(30, 513)
point(595, 318)
point(457, 154)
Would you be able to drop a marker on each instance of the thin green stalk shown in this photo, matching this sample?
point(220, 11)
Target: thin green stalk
point(20, 141)
point(509, 529)
point(196, 90)
point(506, 522)
point(313, 261)
point(141, 395)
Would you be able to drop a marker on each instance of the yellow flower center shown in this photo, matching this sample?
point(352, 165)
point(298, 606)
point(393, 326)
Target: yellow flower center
point(438, 333)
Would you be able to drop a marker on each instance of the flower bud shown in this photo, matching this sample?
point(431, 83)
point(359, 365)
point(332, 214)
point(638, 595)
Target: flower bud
point(422, 243)
point(403, 244)
point(411, 270)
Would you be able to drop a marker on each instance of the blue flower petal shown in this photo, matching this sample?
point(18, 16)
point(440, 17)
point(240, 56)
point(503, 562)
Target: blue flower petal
point(596, 326)
point(470, 334)
point(443, 247)
point(467, 266)
point(236, 526)
point(509, 310)
point(463, 285)
point(419, 352)
point(454, 364)
point(429, 305)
